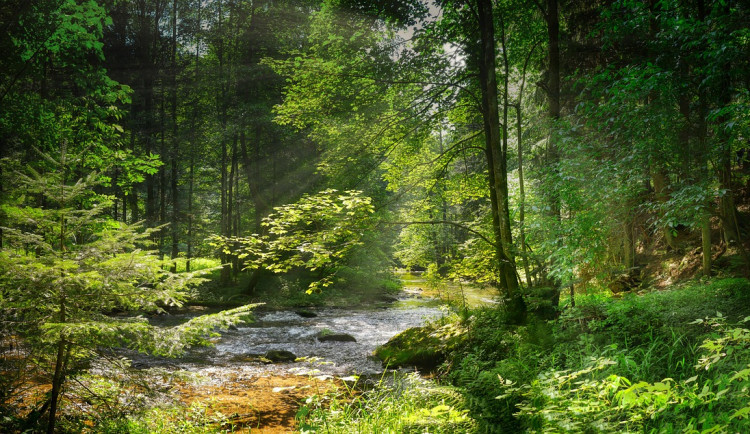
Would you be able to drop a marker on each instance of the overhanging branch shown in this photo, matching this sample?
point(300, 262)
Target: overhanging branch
point(444, 222)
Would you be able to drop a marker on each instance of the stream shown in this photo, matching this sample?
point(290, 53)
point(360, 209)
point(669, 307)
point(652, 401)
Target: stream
point(229, 379)
point(236, 350)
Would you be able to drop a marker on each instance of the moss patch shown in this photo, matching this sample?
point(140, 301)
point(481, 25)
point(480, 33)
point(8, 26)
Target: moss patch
point(422, 347)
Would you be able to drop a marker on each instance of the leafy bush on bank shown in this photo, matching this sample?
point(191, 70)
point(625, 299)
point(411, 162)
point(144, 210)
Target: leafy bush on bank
point(665, 361)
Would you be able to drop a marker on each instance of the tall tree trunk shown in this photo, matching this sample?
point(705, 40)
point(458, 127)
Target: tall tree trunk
point(225, 270)
point(149, 148)
point(553, 97)
point(728, 210)
point(521, 184)
point(702, 161)
point(258, 203)
point(191, 180)
point(193, 147)
point(231, 192)
point(134, 212)
point(493, 141)
point(175, 142)
point(124, 208)
point(58, 376)
point(628, 244)
point(658, 175)
point(553, 40)
point(162, 178)
point(132, 196)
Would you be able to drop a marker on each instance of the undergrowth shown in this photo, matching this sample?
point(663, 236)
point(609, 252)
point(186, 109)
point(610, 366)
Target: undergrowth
point(665, 361)
point(398, 404)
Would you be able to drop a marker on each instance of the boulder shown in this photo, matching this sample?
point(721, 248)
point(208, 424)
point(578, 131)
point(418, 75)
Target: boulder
point(424, 348)
point(336, 337)
point(280, 356)
point(387, 299)
point(305, 313)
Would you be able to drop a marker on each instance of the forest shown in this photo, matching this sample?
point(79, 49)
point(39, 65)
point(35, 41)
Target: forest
point(407, 216)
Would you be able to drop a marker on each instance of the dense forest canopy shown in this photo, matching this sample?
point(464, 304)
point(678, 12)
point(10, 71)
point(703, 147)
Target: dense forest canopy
point(545, 148)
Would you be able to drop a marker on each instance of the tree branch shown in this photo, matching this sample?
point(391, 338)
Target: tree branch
point(444, 222)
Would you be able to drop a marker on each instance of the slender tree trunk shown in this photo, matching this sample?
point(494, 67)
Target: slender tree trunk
point(702, 161)
point(231, 192)
point(149, 145)
point(553, 41)
point(706, 243)
point(162, 179)
point(728, 210)
point(628, 244)
point(553, 37)
point(175, 142)
point(225, 270)
point(659, 179)
point(521, 184)
point(58, 376)
point(134, 214)
point(124, 208)
point(57, 379)
point(115, 201)
point(493, 141)
point(658, 175)
point(237, 212)
point(191, 171)
point(191, 180)
point(258, 204)
point(522, 198)
point(572, 295)
point(499, 254)
point(132, 197)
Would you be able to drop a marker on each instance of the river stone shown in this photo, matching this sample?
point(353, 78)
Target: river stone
point(387, 299)
point(336, 337)
point(305, 313)
point(423, 347)
point(280, 356)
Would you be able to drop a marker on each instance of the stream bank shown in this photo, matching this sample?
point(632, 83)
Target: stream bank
point(230, 382)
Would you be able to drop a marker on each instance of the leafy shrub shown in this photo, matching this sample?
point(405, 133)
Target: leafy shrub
point(595, 399)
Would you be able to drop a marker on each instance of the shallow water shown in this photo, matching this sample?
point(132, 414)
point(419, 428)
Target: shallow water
point(235, 352)
point(285, 330)
point(457, 292)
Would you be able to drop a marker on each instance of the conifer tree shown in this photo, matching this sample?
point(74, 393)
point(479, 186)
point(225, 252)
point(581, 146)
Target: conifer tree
point(65, 266)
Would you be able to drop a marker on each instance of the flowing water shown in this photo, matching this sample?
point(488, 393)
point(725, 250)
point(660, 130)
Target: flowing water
point(237, 350)
point(231, 380)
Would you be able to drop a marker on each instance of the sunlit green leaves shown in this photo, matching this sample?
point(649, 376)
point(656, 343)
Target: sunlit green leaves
point(313, 233)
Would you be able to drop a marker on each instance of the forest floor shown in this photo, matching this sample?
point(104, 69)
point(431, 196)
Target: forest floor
point(265, 404)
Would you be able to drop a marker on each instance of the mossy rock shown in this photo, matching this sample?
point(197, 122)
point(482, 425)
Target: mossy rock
point(280, 356)
point(422, 347)
point(305, 313)
point(335, 337)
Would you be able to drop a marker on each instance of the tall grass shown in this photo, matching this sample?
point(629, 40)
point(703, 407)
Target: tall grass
point(398, 404)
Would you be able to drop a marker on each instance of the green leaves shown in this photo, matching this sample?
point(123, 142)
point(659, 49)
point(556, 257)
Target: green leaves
point(313, 233)
point(65, 268)
point(595, 398)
